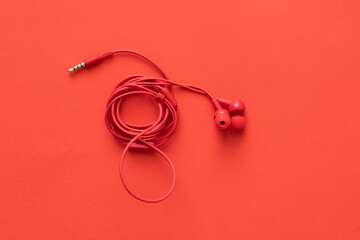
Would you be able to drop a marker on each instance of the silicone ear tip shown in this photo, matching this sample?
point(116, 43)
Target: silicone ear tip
point(237, 122)
point(237, 107)
point(222, 119)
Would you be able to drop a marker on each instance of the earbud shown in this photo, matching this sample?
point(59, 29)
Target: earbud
point(222, 119)
point(222, 116)
point(236, 110)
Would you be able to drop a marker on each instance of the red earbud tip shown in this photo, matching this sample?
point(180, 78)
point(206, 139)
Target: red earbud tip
point(222, 119)
point(238, 122)
point(237, 107)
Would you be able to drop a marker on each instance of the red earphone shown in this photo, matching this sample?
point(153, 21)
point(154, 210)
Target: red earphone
point(232, 115)
point(154, 135)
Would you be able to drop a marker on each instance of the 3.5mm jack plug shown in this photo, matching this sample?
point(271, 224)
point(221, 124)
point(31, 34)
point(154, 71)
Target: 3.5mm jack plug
point(77, 67)
point(91, 61)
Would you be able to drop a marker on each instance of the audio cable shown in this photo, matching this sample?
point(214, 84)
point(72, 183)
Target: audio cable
point(156, 134)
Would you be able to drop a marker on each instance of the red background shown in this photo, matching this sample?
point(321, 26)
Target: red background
point(293, 173)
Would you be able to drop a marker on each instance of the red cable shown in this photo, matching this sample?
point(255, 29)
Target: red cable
point(152, 135)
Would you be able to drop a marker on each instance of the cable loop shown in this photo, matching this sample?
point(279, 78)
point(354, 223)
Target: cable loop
point(147, 136)
point(152, 135)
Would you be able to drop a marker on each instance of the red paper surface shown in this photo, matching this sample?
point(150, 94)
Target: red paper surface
point(292, 174)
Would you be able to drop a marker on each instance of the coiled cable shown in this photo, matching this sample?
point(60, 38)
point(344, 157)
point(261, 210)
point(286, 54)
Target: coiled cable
point(149, 136)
